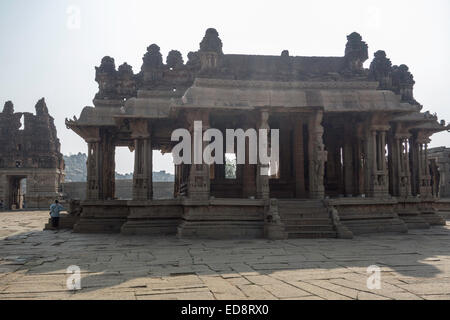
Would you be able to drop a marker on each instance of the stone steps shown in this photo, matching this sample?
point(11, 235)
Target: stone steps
point(311, 235)
point(306, 219)
point(292, 228)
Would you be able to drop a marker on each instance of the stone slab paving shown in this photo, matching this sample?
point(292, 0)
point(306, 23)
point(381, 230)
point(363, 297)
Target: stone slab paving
point(33, 265)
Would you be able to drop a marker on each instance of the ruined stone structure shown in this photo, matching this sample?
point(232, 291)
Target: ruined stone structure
point(353, 144)
point(30, 152)
point(440, 170)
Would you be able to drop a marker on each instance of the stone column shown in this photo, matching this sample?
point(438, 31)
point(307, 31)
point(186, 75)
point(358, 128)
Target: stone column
point(299, 162)
point(108, 165)
point(400, 173)
point(199, 179)
point(93, 187)
point(3, 188)
point(425, 188)
point(143, 161)
point(376, 173)
point(248, 173)
point(414, 158)
point(262, 172)
point(317, 156)
point(349, 167)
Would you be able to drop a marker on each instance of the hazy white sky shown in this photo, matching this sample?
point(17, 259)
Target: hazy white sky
point(45, 53)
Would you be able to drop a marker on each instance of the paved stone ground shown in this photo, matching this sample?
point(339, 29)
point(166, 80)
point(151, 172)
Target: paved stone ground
point(33, 265)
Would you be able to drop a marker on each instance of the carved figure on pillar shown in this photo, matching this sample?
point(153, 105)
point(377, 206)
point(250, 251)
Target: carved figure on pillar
point(317, 156)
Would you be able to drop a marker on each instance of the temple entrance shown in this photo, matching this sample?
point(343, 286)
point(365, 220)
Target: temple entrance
point(16, 194)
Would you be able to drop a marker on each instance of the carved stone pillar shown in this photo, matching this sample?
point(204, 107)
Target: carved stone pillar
point(299, 159)
point(414, 161)
point(377, 179)
point(143, 161)
point(248, 172)
point(349, 166)
point(100, 165)
point(108, 165)
point(400, 176)
point(317, 156)
point(199, 174)
point(262, 172)
point(425, 188)
point(93, 171)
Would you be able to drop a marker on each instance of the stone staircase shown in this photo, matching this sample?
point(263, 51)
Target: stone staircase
point(306, 219)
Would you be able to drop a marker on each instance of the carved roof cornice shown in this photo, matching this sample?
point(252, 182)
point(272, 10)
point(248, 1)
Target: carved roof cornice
point(291, 85)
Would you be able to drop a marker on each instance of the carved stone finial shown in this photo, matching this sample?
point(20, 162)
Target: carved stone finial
point(403, 83)
point(107, 65)
point(402, 75)
point(153, 58)
point(105, 76)
point(41, 107)
point(356, 52)
point(174, 59)
point(126, 83)
point(8, 108)
point(125, 71)
point(193, 60)
point(380, 70)
point(211, 42)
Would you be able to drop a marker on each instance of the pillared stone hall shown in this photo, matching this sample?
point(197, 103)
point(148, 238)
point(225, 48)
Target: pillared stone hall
point(353, 145)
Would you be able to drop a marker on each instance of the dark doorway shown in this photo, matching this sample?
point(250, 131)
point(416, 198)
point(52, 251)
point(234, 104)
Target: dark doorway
point(16, 197)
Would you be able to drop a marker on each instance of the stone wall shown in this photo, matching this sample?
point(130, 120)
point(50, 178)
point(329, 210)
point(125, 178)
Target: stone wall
point(124, 190)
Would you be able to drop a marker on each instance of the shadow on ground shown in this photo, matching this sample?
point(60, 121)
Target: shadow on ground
point(34, 264)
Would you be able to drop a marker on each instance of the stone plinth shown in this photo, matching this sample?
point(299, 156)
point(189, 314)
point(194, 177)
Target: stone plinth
point(102, 217)
point(369, 215)
point(222, 219)
point(157, 217)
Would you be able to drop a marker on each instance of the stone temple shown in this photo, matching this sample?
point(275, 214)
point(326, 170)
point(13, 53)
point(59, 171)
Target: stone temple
point(30, 158)
point(353, 145)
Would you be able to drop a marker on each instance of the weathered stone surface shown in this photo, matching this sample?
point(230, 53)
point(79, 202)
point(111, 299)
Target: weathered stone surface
point(33, 265)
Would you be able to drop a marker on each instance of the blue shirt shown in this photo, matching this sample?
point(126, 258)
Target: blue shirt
point(55, 209)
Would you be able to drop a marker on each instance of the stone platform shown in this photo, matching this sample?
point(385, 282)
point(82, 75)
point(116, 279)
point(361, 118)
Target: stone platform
point(247, 218)
point(33, 265)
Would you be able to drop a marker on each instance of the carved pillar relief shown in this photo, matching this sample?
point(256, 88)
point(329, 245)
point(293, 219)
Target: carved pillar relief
point(93, 164)
point(377, 172)
point(400, 175)
point(143, 161)
point(317, 156)
point(425, 188)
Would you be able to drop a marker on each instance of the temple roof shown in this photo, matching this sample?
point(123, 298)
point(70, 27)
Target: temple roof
point(214, 80)
point(332, 96)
